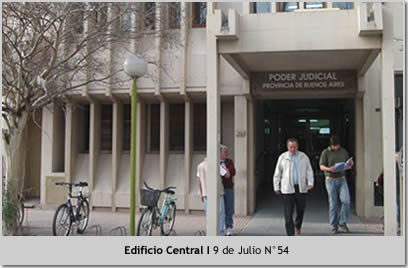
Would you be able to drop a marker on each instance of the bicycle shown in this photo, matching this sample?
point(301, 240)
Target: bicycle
point(153, 217)
point(66, 215)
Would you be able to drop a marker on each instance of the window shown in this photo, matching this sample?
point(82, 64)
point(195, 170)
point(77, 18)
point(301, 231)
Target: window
point(314, 5)
point(174, 14)
point(78, 17)
point(288, 6)
point(126, 127)
point(126, 21)
point(149, 15)
point(200, 127)
point(154, 127)
point(342, 5)
point(199, 14)
point(106, 128)
point(176, 131)
point(261, 7)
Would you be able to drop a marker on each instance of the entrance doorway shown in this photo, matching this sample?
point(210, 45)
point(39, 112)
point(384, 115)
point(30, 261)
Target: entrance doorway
point(312, 122)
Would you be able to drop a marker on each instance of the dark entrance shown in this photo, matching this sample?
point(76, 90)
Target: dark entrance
point(312, 122)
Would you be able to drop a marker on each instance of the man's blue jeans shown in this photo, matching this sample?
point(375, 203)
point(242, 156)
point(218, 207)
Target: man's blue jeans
point(337, 188)
point(229, 207)
point(222, 213)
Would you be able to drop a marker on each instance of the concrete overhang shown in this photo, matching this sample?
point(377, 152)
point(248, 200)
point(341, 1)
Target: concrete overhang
point(358, 60)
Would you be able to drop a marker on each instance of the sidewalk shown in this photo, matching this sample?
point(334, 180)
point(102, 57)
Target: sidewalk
point(267, 221)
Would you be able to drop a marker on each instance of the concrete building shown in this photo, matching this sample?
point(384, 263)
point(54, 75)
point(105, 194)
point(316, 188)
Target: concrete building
point(248, 75)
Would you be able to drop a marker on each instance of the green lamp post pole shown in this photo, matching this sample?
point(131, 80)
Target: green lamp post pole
point(135, 67)
point(133, 158)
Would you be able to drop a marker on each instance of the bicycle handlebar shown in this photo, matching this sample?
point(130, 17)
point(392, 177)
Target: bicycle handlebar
point(167, 189)
point(80, 184)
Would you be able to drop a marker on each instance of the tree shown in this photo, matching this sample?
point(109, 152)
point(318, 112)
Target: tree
point(50, 49)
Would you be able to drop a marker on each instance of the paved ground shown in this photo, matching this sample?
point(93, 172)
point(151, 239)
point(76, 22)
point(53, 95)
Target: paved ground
point(268, 220)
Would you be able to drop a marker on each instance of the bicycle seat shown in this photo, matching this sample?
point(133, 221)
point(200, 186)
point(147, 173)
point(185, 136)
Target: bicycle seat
point(169, 190)
point(81, 184)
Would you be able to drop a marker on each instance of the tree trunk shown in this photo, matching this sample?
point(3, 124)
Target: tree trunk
point(15, 152)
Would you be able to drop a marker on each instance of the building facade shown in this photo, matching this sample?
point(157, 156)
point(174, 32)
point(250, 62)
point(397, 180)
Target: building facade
point(248, 75)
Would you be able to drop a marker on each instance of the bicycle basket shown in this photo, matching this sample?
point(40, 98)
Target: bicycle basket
point(149, 198)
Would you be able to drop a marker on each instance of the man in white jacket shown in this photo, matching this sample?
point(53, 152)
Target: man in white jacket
point(292, 179)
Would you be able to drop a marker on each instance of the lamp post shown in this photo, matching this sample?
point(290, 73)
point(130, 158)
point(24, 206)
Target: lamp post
point(135, 67)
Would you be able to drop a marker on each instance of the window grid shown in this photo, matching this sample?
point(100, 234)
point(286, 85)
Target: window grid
point(176, 131)
point(174, 14)
point(199, 14)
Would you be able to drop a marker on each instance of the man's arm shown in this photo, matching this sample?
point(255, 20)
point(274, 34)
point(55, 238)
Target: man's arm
point(324, 163)
point(201, 190)
point(309, 175)
point(228, 174)
point(277, 177)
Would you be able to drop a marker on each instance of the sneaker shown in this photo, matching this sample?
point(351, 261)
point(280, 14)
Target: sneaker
point(298, 231)
point(334, 231)
point(229, 232)
point(344, 228)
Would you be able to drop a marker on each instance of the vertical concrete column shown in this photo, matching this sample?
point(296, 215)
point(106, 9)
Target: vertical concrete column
point(241, 155)
point(246, 7)
point(213, 129)
point(94, 143)
point(360, 162)
point(251, 158)
point(140, 146)
point(164, 141)
point(68, 142)
point(117, 145)
point(388, 125)
point(188, 152)
point(157, 48)
point(273, 7)
point(46, 147)
point(211, 6)
point(183, 51)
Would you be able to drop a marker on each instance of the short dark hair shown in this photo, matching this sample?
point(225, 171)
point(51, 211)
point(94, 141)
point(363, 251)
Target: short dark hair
point(334, 140)
point(292, 140)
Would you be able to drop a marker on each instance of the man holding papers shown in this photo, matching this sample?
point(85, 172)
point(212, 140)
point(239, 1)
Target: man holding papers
point(334, 161)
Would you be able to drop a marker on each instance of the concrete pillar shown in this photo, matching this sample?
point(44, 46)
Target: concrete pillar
point(68, 165)
point(246, 7)
point(211, 6)
point(213, 129)
point(164, 141)
point(251, 158)
point(94, 143)
point(157, 49)
point(241, 155)
point(46, 147)
point(188, 152)
point(117, 145)
point(361, 181)
point(140, 147)
point(388, 123)
point(184, 27)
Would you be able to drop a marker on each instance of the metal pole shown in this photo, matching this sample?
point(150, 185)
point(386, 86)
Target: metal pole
point(133, 159)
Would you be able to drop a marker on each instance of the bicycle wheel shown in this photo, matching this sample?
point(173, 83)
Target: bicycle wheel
point(168, 221)
point(145, 226)
point(83, 216)
point(61, 225)
point(20, 213)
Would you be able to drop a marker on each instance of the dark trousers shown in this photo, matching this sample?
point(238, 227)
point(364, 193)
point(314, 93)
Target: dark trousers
point(289, 202)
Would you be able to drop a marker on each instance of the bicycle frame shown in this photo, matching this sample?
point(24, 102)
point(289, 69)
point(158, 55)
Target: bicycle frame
point(165, 206)
point(74, 213)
